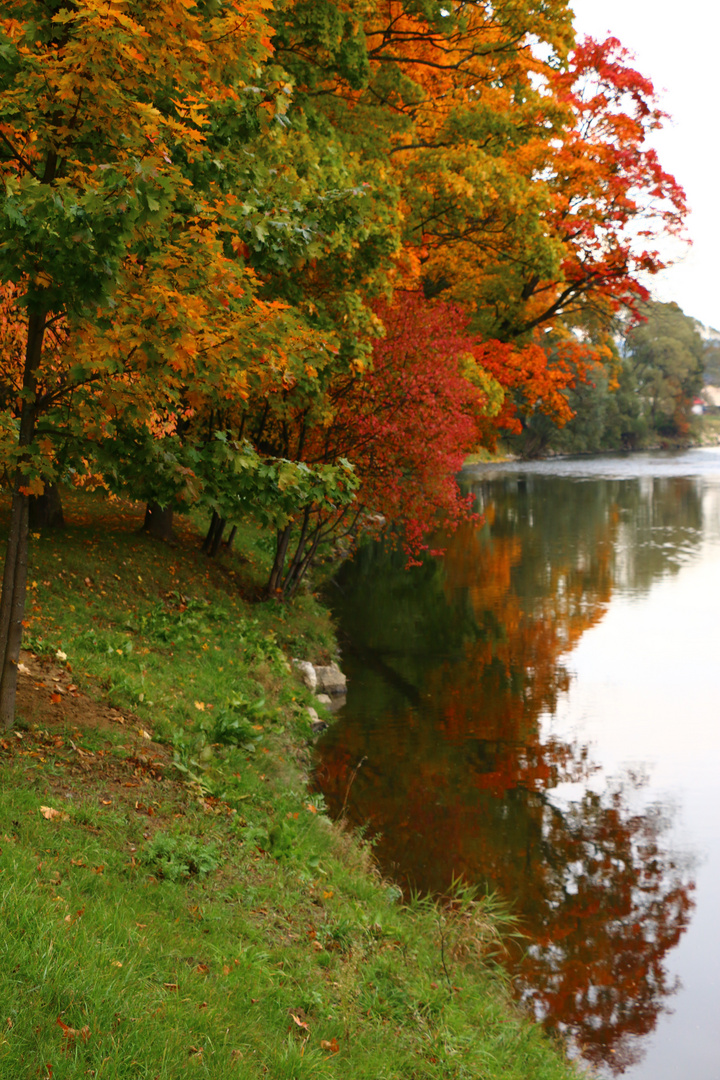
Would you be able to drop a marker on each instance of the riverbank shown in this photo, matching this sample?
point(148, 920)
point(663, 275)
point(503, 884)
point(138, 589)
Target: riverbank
point(705, 431)
point(706, 435)
point(174, 898)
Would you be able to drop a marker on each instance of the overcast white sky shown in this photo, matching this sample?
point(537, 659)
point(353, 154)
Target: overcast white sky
point(676, 45)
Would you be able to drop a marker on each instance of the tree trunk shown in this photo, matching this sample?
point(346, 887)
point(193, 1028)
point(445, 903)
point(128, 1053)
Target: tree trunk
point(207, 542)
point(217, 538)
point(227, 544)
point(13, 605)
point(274, 585)
point(297, 559)
point(211, 543)
point(12, 602)
point(46, 510)
point(158, 521)
point(293, 580)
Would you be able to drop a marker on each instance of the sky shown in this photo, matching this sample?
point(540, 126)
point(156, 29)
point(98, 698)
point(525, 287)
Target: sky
point(675, 45)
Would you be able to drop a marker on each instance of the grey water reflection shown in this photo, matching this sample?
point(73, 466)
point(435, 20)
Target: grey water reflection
point(462, 691)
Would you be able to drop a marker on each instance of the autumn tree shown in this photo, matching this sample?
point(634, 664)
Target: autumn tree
point(423, 376)
point(101, 124)
point(446, 119)
point(601, 199)
point(213, 203)
point(519, 157)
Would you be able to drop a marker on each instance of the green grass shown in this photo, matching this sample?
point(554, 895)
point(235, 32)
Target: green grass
point(183, 906)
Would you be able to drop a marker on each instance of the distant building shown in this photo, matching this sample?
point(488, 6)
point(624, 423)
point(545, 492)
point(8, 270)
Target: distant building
point(711, 397)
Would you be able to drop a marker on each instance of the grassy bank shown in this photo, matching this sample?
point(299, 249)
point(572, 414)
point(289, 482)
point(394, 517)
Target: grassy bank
point(174, 900)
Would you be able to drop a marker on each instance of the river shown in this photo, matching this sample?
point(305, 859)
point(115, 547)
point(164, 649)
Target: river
point(538, 713)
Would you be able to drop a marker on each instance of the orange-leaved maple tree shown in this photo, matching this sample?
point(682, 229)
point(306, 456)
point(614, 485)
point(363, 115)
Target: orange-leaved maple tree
point(103, 111)
point(611, 198)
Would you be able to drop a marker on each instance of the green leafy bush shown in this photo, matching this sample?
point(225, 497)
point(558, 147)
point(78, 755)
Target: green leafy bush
point(178, 857)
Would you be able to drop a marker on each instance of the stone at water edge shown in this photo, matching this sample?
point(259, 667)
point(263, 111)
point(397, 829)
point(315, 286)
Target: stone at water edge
point(316, 723)
point(307, 673)
point(330, 680)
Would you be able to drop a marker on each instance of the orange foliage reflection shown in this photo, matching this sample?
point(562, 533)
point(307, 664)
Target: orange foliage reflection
point(460, 783)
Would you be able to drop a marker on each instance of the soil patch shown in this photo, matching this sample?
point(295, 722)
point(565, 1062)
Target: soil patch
point(48, 697)
point(58, 725)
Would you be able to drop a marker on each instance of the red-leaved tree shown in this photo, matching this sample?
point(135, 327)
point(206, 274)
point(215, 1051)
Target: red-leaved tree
point(434, 393)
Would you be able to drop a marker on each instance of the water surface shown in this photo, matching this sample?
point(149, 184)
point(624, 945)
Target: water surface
point(537, 712)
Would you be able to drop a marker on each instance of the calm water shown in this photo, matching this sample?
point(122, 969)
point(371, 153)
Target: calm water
point(539, 712)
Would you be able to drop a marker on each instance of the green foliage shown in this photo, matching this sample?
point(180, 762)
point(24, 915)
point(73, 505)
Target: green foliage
point(239, 722)
point(174, 857)
point(665, 354)
point(317, 40)
point(223, 474)
point(711, 357)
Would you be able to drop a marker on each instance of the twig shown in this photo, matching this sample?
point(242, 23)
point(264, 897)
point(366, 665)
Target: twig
point(442, 952)
point(351, 781)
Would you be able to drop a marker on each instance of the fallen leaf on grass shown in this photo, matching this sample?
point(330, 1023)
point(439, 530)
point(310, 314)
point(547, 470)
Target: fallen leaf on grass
point(51, 814)
point(56, 698)
point(200, 705)
point(332, 1046)
point(299, 1022)
point(70, 1033)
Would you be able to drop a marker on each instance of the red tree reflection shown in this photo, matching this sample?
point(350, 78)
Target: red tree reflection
point(461, 784)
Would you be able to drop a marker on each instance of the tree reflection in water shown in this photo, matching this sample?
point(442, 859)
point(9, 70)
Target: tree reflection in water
point(452, 669)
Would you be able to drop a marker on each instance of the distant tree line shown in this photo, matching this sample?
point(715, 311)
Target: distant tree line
point(642, 397)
